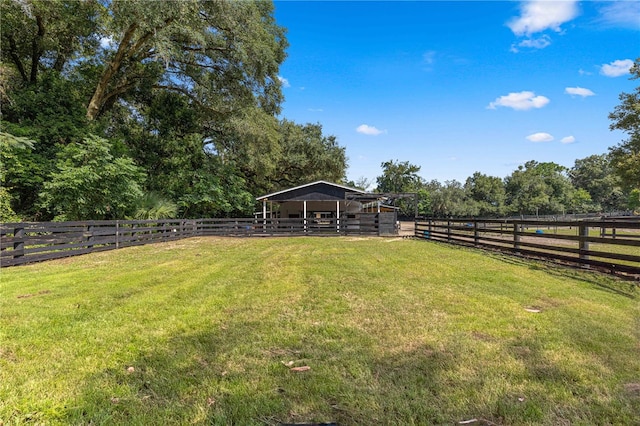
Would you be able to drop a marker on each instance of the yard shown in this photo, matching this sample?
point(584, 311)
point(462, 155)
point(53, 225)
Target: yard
point(298, 330)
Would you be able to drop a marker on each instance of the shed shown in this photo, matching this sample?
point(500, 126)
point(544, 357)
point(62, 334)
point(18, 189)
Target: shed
point(316, 200)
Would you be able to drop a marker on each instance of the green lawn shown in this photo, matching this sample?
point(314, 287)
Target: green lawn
point(207, 331)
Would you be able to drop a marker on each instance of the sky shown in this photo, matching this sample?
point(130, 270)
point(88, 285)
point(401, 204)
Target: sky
point(458, 87)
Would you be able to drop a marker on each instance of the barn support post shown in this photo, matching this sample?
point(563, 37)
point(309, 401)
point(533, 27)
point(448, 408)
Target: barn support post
point(304, 215)
point(264, 215)
point(337, 216)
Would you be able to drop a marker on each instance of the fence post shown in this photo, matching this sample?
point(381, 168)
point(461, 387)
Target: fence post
point(516, 237)
point(89, 235)
point(448, 230)
point(117, 234)
point(18, 242)
point(583, 233)
point(475, 233)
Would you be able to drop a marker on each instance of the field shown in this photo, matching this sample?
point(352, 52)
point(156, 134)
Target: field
point(298, 330)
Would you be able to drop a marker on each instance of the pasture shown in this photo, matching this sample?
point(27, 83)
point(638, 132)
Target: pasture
point(350, 330)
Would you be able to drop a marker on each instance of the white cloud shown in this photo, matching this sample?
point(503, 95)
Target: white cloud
point(568, 139)
point(369, 130)
point(284, 82)
point(583, 72)
point(536, 43)
point(616, 68)
point(520, 101)
point(540, 137)
point(624, 14)
point(429, 57)
point(540, 15)
point(578, 91)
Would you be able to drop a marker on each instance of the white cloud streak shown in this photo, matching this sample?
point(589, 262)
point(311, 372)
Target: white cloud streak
point(578, 91)
point(616, 68)
point(625, 14)
point(540, 15)
point(536, 43)
point(521, 101)
point(365, 129)
point(568, 140)
point(540, 137)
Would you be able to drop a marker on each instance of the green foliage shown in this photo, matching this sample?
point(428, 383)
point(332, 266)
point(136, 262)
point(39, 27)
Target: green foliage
point(153, 206)
point(594, 174)
point(449, 199)
point(486, 195)
point(6, 211)
point(626, 117)
point(399, 177)
point(539, 188)
point(634, 199)
point(306, 156)
point(22, 173)
point(91, 183)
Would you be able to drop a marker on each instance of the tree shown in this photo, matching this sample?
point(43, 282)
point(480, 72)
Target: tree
point(449, 199)
point(399, 177)
point(625, 157)
point(47, 34)
point(306, 155)
point(594, 174)
point(217, 53)
point(14, 169)
point(362, 183)
point(188, 89)
point(91, 183)
point(487, 193)
point(539, 188)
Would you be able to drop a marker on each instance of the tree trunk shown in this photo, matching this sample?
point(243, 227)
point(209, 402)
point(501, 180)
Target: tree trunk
point(100, 94)
point(36, 47)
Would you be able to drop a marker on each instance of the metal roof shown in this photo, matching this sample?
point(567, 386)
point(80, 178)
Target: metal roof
point(346, 188)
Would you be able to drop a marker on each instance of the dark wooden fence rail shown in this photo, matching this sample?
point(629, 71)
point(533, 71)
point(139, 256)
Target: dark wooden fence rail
point(613, 245)
point(34, 242)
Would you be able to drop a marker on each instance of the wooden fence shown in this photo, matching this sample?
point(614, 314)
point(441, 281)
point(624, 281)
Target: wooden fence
point(612, 245)
point(34, 242)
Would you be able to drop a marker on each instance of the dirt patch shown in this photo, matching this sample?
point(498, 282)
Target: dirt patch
point(483, 336)
point(632, 389)
point(40, 293)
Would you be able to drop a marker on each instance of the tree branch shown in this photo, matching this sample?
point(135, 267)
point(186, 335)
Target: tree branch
point(13, 48)
point(36, 49)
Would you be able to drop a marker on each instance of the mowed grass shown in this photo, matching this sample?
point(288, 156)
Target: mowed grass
point(209, 331)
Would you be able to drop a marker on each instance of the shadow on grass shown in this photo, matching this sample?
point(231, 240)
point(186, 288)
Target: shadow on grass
point(222, 377)
point(601, 280)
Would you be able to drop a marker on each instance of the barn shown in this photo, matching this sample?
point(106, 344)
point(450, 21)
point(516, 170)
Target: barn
point(327, 204)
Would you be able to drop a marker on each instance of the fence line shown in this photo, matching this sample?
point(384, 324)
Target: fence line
point(38, 241)
point(610, 244)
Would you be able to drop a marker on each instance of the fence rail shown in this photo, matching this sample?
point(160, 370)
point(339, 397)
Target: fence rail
point(38, 241)
point(611, 244)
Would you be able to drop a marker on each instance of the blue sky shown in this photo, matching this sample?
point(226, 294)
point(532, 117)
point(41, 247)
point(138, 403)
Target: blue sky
point(459, 86)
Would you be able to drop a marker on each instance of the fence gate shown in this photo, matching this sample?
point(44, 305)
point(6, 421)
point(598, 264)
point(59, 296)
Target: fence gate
point(387, 224)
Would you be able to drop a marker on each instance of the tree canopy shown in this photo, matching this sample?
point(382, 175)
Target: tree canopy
point(626, 117)
point(186, 92)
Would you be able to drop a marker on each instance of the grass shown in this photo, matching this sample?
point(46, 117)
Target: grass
point(207, 331)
